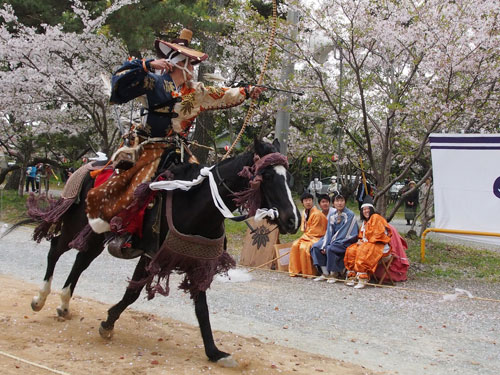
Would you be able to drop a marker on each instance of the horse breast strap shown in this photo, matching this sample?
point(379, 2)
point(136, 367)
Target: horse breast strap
point(193, 246)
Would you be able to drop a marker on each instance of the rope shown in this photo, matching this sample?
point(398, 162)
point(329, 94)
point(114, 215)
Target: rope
point(259, 82)
point(33, 364)
point(272, 260)
point(375, 285)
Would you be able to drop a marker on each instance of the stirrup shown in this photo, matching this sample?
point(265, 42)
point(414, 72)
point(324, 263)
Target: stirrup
point(121, 247)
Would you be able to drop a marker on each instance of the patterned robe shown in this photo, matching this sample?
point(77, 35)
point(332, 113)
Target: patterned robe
point(167, 108)
point(314, 228)
point(341, 232)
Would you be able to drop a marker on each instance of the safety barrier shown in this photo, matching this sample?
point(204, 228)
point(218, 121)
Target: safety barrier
point(454, 231)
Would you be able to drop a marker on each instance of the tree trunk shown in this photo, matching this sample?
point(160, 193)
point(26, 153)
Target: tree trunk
point(14, 180)
point(205, 121)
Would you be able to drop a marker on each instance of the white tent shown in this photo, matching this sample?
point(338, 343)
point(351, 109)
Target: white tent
point(466, 170)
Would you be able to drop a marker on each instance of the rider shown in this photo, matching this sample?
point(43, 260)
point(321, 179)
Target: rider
point(171, 101)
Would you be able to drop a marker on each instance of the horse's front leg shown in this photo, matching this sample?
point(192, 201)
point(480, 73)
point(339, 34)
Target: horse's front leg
point(213, 354)
point(82, 261)
point(130, 296)
point(53, 256)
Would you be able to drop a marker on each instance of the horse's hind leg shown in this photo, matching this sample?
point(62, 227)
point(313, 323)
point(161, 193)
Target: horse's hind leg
point(130, 296)
point(213, 354)
point(53, 256)
point(82, 261)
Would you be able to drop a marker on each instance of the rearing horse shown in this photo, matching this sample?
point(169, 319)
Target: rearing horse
point(194, 213)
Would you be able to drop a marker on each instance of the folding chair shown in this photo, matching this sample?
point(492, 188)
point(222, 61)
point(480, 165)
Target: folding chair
point(385, 262)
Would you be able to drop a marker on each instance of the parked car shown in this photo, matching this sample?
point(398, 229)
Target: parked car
point(394, 190)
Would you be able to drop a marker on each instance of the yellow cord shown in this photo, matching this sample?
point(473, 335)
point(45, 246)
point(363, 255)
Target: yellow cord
point(259, 82)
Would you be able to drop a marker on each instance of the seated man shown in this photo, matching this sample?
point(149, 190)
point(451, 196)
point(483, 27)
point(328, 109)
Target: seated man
point(324, 204)
point(328, 252)
point(314, 227)
point(362, 257)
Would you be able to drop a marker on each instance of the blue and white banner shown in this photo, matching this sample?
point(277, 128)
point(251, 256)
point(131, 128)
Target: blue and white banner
point(466, 170)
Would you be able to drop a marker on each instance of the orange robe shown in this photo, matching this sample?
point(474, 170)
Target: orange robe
point(363, 256)
point(300, 256)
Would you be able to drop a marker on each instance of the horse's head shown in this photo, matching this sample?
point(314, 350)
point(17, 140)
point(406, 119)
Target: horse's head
point(270, 175)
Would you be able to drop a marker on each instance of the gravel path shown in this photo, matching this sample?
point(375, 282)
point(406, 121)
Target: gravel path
point(387, 330)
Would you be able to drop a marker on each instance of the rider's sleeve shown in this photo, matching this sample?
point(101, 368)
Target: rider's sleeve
point(211, 97)
point(129, 81)
point(196, 98)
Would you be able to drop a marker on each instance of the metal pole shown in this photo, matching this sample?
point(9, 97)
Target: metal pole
point(283, 115)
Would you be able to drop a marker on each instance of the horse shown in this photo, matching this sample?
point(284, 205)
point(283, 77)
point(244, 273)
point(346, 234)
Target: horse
point(196, 215)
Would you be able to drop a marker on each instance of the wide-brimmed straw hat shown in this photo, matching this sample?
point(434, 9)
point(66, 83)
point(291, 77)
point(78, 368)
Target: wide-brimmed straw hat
point(178, 50)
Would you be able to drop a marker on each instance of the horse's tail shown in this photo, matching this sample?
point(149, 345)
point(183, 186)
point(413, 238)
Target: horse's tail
point(16, 225)
point(47, 212)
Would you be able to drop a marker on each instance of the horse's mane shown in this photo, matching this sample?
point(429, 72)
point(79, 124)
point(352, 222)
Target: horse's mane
point(188, 172)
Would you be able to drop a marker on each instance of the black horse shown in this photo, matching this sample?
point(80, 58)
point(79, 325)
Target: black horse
point(194, 213)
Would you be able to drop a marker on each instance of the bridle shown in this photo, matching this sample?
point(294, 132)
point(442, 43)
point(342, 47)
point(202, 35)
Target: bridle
point(248, 199)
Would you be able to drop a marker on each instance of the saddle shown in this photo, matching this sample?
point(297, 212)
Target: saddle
point(127, 209)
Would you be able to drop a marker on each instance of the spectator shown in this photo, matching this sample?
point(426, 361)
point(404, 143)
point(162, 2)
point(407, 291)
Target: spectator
point(411, 203)
point(333, 188)
point(39, 171)
point(328, 253)
point(315, 187)
point(314, 227)
point(426, 202)
point(30, 178)
point(362, 257)
point(324, 204)
point(45, 173)
point(69, 172)
point(362, 192)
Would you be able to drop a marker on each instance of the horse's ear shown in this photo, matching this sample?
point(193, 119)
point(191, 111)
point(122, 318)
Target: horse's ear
point(258, 147)
point(276, 144)
point(262, 148)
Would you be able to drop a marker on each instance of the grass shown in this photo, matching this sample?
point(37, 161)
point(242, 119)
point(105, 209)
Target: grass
point(453, 262)
point(12, 206)
point(443, 261)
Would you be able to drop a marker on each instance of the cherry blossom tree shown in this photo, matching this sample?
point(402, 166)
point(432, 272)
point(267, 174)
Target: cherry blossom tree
point(410, 68)
point(53, 82)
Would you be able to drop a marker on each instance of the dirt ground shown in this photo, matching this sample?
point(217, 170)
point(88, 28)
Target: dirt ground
point(142, 343)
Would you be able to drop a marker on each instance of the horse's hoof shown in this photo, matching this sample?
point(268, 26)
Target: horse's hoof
point(62, 313)
point(106, 333)
point(227, 362)
point(37, 304)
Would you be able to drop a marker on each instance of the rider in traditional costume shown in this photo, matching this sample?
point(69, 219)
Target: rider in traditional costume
point(171, 102)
